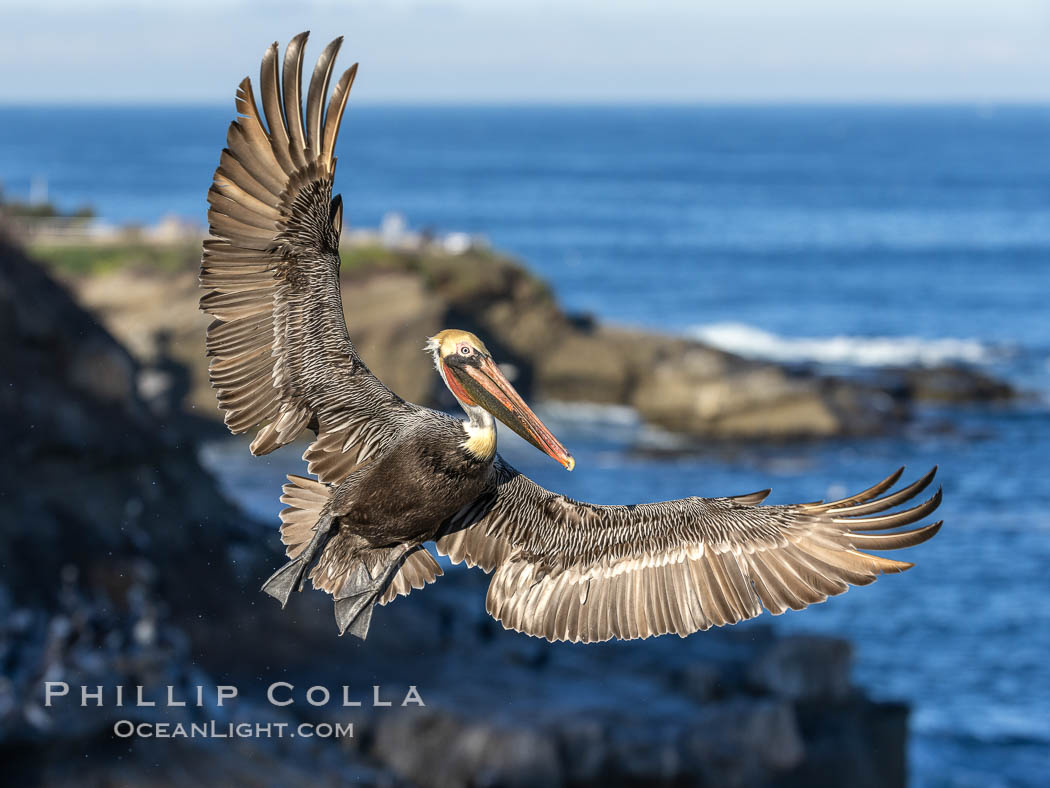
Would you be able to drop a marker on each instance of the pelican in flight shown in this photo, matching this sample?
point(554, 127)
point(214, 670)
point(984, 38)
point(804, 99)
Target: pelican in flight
point(390, 477)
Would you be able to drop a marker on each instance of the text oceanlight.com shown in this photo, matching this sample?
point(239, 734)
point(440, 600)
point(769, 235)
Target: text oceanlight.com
point(241, 730)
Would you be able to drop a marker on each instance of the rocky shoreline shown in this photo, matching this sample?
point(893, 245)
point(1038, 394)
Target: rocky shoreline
point(123, 566)
point(394, 298)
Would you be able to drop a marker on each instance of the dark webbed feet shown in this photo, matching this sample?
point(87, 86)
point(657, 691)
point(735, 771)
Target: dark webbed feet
point(289, 577)
point(357, 598)
point(286, 580)
point(354, 615)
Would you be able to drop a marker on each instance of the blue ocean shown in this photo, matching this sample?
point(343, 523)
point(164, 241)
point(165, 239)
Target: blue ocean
point(844, 237)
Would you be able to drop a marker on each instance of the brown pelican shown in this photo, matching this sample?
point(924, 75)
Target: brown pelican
point(392, 476)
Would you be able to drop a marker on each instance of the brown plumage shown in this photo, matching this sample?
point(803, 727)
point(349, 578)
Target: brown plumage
point(391, 475)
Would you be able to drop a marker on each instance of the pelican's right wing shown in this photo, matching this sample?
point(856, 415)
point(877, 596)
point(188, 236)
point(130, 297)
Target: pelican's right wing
point(282, 360)
point(569, 570)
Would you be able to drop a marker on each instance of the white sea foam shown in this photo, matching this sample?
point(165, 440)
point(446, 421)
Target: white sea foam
point(619, 424)
point(589, 413)
point(752, 342)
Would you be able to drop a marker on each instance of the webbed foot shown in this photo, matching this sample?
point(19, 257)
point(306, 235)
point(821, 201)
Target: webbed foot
point(285, 580)
point(357, 597)
point(289, 577)
point(354, 614)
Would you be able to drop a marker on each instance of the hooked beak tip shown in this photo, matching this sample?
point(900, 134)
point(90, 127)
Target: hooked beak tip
point(569, 463)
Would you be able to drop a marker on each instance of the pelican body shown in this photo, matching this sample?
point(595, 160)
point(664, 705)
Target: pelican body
point(388, 476)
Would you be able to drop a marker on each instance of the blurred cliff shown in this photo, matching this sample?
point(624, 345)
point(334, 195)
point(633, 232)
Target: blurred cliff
point(123, 565)
point(399, 288)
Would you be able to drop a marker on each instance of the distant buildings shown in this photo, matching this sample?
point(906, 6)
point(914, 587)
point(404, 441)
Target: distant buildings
point(394, 233)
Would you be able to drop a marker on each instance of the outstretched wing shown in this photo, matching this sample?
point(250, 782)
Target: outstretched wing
point(282, 360)
point(567, 570)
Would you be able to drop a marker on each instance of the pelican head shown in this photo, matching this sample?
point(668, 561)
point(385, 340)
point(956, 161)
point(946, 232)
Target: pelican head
point(468, 370)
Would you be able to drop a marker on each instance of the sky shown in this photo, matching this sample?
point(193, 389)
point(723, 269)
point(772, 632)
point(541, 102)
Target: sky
point(536, 51)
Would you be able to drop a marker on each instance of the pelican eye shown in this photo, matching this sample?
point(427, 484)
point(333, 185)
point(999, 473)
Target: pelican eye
point(466, 350)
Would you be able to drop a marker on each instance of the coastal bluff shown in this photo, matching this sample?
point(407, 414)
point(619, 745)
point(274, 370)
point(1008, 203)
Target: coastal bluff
point(395, 298)
point(123, 565)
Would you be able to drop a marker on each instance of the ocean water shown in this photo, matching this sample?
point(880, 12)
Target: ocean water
point(843, 237)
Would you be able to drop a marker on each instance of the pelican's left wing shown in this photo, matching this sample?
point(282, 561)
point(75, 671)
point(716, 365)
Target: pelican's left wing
point(282, 360)
point(567, 570)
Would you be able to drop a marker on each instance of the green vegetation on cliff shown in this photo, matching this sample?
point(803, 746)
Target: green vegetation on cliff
point(90, 259)
point(454, 274)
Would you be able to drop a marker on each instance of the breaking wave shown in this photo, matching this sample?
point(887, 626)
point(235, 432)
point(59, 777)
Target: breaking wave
point(752, 342)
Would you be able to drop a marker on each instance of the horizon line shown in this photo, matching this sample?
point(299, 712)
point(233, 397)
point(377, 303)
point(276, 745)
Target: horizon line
point(800, 102)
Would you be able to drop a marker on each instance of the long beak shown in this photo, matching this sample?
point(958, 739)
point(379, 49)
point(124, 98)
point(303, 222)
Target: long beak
point(490, 389)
